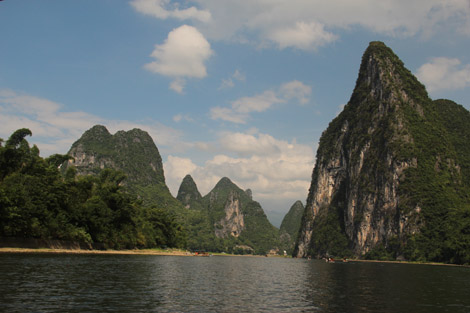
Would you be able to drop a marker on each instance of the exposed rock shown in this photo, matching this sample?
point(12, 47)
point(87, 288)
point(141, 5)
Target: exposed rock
point(232, 224)
point(360, 196)
point(227, 218)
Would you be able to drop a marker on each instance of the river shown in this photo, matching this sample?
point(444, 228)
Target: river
point(145, 283)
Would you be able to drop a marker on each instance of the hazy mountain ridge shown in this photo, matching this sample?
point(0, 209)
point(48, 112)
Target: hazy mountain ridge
point(391, 171)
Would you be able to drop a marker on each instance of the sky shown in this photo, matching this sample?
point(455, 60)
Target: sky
point(226, 88)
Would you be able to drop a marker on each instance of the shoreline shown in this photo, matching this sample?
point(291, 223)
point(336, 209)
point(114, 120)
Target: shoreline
point(179, 252)
point(176, 252)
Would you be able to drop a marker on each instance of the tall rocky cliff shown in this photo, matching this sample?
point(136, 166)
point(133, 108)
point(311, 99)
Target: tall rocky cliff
point(390, 173)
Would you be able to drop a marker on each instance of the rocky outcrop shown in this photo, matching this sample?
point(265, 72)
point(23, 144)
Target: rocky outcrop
point(360, 196)
point(232, 224)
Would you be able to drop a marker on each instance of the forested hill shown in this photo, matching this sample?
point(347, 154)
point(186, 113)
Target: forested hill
point(132, 152)
point(37, 201)
point(391, 178)
point(227, 219)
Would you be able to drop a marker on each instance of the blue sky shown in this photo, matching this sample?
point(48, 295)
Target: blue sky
point(232, 88)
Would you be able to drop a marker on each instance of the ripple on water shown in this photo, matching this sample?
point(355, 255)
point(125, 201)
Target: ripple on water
point(137, 283)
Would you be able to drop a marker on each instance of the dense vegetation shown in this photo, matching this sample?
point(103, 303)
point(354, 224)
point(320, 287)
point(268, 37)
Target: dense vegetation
point(37, 201)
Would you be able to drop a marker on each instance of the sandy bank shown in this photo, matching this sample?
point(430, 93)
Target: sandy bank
point(81, 251)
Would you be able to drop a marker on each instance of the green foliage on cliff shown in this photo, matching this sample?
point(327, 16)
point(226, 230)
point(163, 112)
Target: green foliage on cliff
point(132, 152)
point(36, 201)
point(188, 194)
point(391, 116)
point(207, 213)
point(290, 226)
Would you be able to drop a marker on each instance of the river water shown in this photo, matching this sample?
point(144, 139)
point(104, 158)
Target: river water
point(139, 283)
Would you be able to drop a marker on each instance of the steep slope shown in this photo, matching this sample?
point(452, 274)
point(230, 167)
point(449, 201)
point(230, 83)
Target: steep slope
point(388, 172)
point(227, 219)
point(290, 226)
point(188, 194)
point(134, 153)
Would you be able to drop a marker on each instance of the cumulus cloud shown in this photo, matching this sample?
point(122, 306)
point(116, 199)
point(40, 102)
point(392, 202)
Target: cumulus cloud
point(240, 109)
point(309, 24)
point(272, 168)
point(444, 74)
point(181, 56)
point(305, 36)
point(54, 130)
point(161, 9)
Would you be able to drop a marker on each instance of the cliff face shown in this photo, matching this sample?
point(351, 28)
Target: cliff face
point(368, 186)
point(233, 223)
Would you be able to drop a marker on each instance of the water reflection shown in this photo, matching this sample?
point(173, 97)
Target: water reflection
point(375, 287)
point(97, 283)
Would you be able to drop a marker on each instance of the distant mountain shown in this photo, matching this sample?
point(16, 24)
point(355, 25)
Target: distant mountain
point(227, 219)
point(132, 152)
point(290, 226)
point(392, 172)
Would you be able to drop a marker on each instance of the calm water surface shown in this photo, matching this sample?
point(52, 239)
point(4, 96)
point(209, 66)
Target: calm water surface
point(137, 283)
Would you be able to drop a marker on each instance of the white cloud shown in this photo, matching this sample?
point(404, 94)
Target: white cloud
point(178, 85)
point(227, 114)
point(175, 169)
point(182, 55)
point(444, 74)
point(54, 130)
point(309, 24)
point(158, 9)
point(240, 109)
point(296, 89)
point(305, 36)
point(180, 117)
point(272, 168)
point(229, 82)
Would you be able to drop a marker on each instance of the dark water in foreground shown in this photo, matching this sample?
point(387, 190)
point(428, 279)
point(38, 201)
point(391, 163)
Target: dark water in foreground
point(136, 283)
